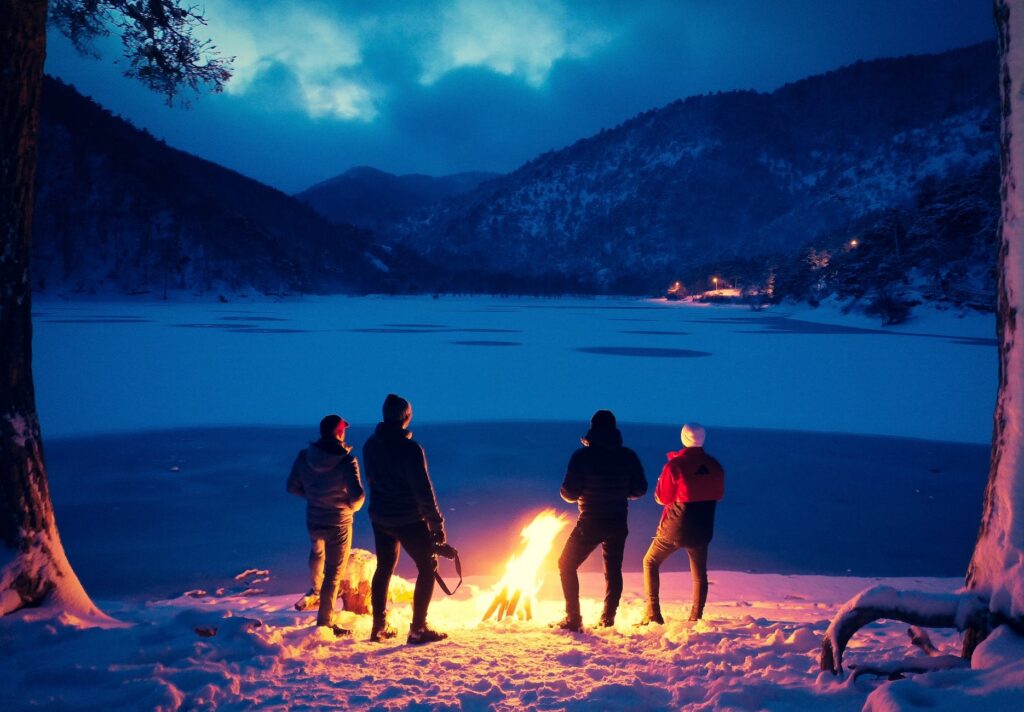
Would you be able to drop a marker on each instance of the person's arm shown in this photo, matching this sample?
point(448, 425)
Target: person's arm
point(665, 491)
point(357, 495)
point(637, 479)
point(423, 491)
point(294, 484)
point(572, 485)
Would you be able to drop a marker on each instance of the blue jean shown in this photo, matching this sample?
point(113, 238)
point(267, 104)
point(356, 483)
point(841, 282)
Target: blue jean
point(660, 550)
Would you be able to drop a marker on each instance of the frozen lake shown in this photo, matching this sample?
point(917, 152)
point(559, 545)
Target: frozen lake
point(170, 427)
point(104, 368)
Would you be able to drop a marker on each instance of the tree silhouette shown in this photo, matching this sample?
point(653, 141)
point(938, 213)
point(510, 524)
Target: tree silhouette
point(163, 53)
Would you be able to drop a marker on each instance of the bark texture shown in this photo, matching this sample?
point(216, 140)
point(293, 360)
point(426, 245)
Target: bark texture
point(33, 566)
point(996, 569)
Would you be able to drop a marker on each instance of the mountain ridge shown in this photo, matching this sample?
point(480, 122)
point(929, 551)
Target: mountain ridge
point(119, 211)
point(371, 198)
point(726, 175)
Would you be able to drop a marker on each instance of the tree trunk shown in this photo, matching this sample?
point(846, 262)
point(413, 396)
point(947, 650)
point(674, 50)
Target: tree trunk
point(997, 565)
point(33, 567)
point(995, 574)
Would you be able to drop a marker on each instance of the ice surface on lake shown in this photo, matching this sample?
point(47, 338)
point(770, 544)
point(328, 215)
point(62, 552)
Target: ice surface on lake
point(130, 366)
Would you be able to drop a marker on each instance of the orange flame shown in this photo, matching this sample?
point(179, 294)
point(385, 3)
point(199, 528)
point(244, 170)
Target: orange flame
point(521, 582)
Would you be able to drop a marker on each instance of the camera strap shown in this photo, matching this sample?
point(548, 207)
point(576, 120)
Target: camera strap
point(458, 571)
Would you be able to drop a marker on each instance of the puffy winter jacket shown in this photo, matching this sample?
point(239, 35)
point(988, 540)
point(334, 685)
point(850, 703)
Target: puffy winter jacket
point(330, 483)
point(400, 488)
point(602, 475)
point(690, 485)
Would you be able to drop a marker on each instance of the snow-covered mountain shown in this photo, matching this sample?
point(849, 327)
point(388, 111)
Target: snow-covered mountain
point(372, 199)
point(118, 211)
point(726, 176)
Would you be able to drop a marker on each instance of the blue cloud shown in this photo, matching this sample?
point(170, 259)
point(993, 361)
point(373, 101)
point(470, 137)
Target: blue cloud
point(438, 86)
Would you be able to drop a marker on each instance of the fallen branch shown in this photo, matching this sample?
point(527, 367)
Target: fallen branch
point(932, 610)
point(895, 669)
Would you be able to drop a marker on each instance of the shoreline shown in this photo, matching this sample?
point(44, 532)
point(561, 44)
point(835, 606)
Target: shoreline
point(153, 514)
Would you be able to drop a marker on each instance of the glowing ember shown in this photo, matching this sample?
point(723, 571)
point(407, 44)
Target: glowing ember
point(516, 592)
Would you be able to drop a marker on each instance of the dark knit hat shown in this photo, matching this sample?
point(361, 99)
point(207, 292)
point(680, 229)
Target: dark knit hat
point(603, 420)
point(395, 408)
point(329, 424)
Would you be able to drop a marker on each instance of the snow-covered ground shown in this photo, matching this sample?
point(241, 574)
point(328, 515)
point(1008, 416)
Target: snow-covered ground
point(757, 650)
point(849, 449)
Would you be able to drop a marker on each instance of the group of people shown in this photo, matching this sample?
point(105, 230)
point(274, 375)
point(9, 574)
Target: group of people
point(601, 477)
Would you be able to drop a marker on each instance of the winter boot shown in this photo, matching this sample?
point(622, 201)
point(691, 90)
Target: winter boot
point(573, 624)
point(607, 619)
point(419, 636)
point(381, 631)
point(653, 615)
point(308, 602)
point(336, 629)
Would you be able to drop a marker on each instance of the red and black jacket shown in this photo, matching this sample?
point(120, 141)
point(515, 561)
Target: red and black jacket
point(691, 484)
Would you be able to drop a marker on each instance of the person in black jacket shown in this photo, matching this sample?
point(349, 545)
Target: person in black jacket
point(601, 477)
point(326, 474)
point(404, 514)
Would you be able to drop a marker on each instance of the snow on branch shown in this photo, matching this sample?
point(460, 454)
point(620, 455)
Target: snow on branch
point(918, 665)
point(932, 610)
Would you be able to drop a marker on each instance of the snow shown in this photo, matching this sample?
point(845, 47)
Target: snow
point(995, 681)
point(757, 649)
point(161, 365)
point(949, 610)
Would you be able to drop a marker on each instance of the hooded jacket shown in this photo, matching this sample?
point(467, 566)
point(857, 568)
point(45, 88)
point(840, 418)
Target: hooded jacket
point(690, 486)
point(400, 488)
point(327, 475)
point(602, 475)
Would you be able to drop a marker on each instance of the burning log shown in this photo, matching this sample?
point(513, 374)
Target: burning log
point(354, 592)
point(520, 583)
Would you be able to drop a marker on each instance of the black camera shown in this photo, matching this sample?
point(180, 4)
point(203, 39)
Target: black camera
point(446, 550)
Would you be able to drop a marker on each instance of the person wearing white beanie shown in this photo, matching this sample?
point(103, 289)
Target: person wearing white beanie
point(690, 486)
point(692, 435)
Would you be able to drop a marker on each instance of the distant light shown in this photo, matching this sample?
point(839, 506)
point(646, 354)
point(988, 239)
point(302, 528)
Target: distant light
point(853, 243)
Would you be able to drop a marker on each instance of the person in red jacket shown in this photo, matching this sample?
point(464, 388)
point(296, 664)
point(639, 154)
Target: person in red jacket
point(690, 486)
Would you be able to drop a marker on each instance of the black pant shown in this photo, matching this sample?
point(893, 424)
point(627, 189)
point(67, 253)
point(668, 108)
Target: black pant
point(611, 535)
point(415, 539)
point(660, 550)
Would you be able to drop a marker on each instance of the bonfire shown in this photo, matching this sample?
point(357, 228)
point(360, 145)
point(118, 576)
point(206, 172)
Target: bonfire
point(516, 593)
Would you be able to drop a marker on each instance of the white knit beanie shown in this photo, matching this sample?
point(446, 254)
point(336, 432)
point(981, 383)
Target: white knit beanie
point(692, 435)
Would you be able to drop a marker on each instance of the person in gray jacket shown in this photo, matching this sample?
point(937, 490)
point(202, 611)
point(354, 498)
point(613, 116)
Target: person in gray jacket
point(326, 474)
